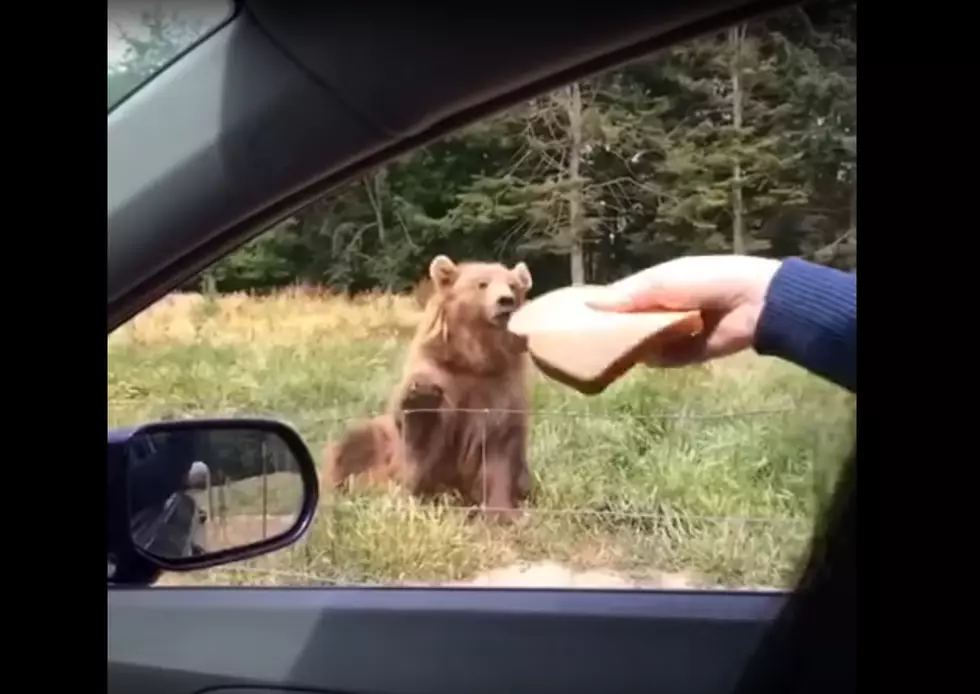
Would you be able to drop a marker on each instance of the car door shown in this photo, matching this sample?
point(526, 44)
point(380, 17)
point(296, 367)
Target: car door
point(262, 112)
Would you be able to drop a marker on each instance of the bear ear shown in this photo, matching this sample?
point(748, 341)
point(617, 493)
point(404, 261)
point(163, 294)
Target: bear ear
point(442, 270)
point(523, 275)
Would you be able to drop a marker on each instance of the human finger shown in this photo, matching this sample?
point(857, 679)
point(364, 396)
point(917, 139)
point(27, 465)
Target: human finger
point(652, 299)
point(671, 286)
point(677, 353)
point(636, 297)
point(691, 283)
point(722, 335)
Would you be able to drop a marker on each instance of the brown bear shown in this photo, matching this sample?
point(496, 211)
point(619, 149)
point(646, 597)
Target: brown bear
point(458, 420)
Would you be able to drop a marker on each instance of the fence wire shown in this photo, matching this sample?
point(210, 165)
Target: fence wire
point(391, 539)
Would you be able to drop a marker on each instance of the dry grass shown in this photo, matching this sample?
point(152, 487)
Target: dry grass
point(291, 318)
point(654, 478)
point(249, 510)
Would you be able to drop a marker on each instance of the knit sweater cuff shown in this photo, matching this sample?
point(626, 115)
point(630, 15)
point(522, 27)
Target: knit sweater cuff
point(810, 319)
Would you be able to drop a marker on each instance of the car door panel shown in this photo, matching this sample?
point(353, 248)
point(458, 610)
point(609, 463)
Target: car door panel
point(397, 641)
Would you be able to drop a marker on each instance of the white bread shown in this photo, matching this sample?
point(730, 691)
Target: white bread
point(588, 349)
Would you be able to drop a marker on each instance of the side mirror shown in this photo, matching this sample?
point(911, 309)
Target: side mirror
point(205, 492)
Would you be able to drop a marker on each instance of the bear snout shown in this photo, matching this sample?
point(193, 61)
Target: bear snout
point(506, 302)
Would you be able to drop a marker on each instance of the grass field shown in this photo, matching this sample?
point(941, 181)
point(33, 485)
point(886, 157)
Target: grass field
point(715, 472)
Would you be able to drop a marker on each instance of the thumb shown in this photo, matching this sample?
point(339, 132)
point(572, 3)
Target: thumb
point(643, 291)
point(621, 300)
point(616, 302)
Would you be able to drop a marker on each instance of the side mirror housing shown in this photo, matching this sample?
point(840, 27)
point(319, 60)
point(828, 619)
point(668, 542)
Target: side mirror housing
point(204, 492)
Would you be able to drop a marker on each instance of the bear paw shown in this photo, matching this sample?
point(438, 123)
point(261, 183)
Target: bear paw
point(422, 396)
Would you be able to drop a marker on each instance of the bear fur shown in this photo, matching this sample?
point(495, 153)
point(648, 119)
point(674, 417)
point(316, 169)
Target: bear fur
point(463, 399)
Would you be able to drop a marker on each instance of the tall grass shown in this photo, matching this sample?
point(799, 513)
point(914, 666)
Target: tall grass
point(717, 472)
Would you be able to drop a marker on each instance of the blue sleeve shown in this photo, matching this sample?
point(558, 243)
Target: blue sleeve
point(810, 319)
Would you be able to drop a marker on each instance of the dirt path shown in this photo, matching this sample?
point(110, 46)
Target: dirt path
point(537, 575)
point(549, 574)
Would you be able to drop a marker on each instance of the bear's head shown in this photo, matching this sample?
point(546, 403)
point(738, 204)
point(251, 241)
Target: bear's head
point(474, 293)
point(467, 313)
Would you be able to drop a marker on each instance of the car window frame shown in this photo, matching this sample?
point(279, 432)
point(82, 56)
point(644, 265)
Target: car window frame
point(234, 6)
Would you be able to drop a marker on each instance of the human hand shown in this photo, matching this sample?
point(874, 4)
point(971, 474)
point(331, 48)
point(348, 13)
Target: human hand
point(728, 290)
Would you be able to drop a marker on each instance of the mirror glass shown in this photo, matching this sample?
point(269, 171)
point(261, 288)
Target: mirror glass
point(197, 491)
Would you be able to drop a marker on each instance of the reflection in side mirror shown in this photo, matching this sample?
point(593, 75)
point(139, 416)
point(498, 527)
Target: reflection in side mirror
point(205, 492)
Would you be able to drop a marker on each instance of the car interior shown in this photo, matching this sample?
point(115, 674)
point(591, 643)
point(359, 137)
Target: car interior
point(279, 104)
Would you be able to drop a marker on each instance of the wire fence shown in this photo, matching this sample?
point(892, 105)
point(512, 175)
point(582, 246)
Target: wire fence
point(242, 511)
point(728, 498)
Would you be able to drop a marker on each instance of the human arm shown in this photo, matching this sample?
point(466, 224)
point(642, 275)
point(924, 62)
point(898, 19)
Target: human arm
point(809, 318)
point(792, 309)
point(159, 471)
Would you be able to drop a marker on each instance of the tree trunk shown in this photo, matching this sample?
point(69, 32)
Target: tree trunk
point(374, 185)
point(576, 212)
point(209, 285)
point(853, 230)
point(736, 38)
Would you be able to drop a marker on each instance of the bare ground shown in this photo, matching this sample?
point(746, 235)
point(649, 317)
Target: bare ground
point(554, 575)
point(537, 575)
point(237, 531)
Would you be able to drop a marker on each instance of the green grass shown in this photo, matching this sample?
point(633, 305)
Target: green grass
point(718, 471)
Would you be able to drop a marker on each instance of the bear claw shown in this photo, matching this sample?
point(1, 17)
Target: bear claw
point(422, 396)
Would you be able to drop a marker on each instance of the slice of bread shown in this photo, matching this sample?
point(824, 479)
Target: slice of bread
point(587, 349)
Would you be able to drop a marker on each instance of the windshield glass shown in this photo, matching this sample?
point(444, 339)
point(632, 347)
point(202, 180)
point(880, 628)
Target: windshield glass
point(145, 36)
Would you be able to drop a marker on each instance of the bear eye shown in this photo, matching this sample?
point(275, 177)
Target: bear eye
point(483, 284)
